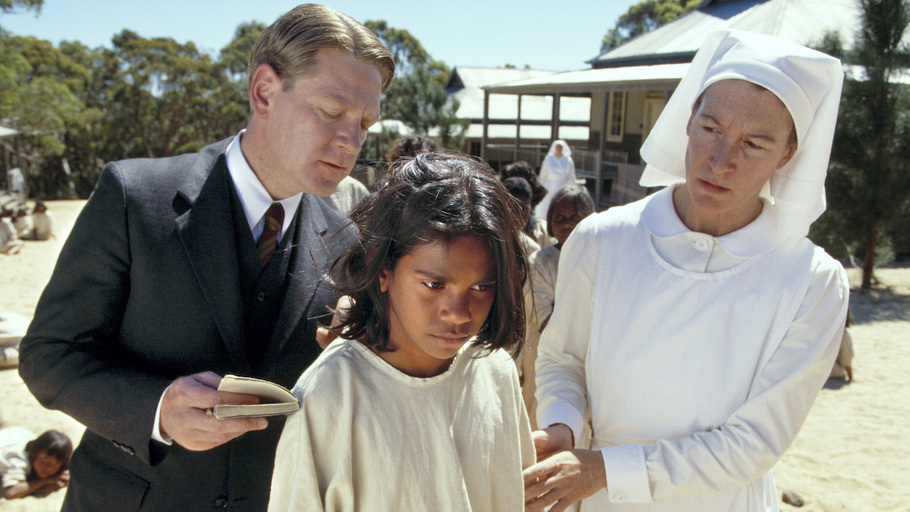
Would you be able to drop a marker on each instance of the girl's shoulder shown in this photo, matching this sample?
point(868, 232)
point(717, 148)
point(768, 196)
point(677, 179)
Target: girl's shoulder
point(498, 361)
point(333, 365)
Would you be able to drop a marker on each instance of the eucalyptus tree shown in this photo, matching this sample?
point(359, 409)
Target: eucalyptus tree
point(869, 176)
point(644, 17)
point(417, 96)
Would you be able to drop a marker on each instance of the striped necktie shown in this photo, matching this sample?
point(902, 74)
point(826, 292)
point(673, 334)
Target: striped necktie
point(268, 240)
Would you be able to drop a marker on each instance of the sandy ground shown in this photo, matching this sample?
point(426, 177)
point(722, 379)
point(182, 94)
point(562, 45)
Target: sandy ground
point(22, 278)
point(853, 454)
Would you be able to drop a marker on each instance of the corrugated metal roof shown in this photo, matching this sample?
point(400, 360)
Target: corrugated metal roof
point(642, 63)
point(661, 76)
point(463, 76)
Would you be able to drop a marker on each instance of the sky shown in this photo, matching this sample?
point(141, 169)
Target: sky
point(543, 34)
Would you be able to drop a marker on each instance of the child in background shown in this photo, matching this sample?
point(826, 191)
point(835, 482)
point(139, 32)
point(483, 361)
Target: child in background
point(33, 466)
point(42, 222)
point(417, 405)
point(9, 239)
point(536, 227)
point(570, 204)
point(843, 365)
point(23, 223)
point(524, 358)
point(520, 190)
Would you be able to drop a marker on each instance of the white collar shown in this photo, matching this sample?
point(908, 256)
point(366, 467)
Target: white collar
point(756, 238)
point(253, 195)
point(808, 82)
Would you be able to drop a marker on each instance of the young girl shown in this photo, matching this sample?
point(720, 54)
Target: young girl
point(570, 204)
point(33, 467)
point(417, 406)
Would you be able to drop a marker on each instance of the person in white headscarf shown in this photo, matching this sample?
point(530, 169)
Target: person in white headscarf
point(698, 324)
point(556, 171)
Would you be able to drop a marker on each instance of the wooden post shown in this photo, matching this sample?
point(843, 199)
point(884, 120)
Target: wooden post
point(486, 116)
point(517, 131)
point(599, 181)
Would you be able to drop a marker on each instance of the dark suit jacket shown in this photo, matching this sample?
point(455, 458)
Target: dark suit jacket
point(145, 290)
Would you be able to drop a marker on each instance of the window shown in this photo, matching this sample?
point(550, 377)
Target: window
point(616, 116)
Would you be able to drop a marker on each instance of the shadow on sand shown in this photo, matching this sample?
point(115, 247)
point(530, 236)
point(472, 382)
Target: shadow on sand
point(836, 384)
point(881, 304)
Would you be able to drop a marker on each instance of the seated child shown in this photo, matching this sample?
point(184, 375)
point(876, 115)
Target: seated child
point(9, 239)
point(843, 365)
point(22, 223)
point(417, 406)
point(42, 222)
point(33, 466)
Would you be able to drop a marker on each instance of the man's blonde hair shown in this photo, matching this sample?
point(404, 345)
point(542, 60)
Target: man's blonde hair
point(291, 43)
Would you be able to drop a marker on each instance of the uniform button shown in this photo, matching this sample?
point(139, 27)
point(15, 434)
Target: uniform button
point(221, 502)
point(620, 497)
point(701, 244)
point(260, 297)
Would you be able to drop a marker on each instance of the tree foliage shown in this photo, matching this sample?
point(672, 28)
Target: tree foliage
point(644, 17)
point(164, 94)
point(77, 108)
point(11, 5)
point(868, 180)
point(37, 97)
point(417, 96)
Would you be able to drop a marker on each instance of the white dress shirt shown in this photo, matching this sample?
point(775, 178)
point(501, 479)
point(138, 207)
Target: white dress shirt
point(255, 200)
point(253, 195)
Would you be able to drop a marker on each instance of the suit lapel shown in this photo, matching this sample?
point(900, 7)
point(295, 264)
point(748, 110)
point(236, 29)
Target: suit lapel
point(305, 275)
point(207, 232)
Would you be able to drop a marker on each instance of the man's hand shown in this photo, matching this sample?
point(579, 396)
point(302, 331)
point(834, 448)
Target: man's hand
point(563, 478)
point(324, 336)
point(184, 418)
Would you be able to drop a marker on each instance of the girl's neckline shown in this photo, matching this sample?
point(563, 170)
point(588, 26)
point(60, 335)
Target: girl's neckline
point(382, 364)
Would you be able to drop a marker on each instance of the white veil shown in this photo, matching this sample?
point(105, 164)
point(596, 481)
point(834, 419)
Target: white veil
point(808, 82)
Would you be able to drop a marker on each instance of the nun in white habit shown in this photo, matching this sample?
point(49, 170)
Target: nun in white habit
point(699, 324)
point(556, 171)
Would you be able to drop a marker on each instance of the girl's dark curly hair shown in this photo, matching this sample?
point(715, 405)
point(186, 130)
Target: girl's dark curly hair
point(428, 198)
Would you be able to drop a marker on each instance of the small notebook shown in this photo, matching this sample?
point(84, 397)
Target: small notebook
point(275, 399)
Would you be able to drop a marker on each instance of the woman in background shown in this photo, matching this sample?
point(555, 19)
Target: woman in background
point(556, 171)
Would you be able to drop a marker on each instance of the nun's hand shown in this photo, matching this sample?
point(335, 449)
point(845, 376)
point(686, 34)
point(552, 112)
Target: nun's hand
point(553, 439)
point(564, 478)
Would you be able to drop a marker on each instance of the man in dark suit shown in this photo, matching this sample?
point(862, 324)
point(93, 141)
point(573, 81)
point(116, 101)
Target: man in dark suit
point(180, 270)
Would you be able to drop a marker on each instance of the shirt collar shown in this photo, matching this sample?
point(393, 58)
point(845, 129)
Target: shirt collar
point(253, 195)
point(756, 238)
